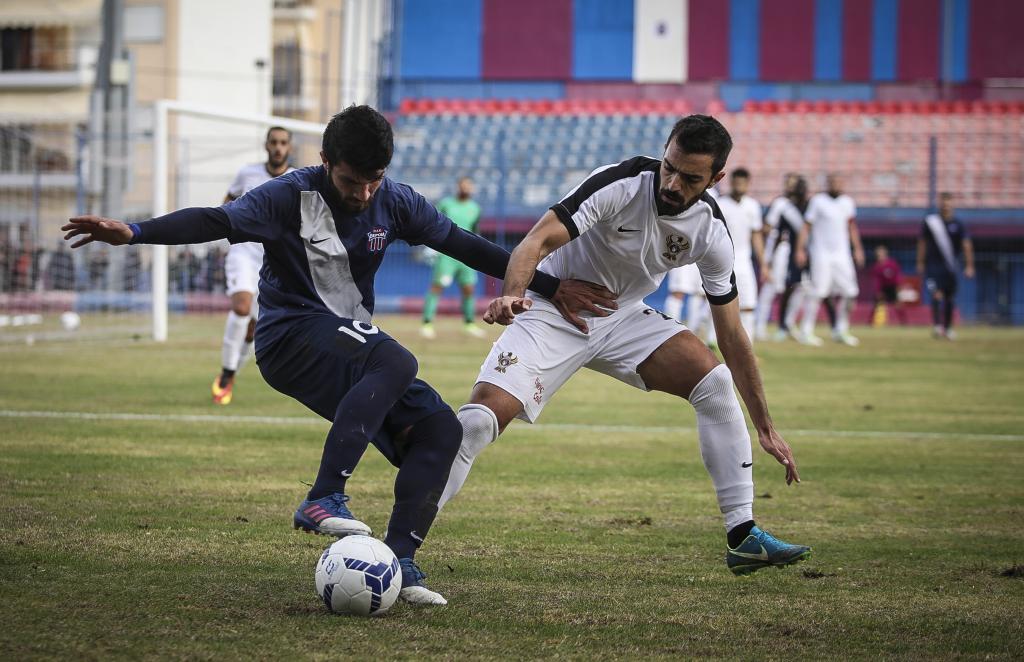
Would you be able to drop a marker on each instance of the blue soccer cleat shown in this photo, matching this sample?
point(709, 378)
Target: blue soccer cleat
point(413, 588)
point(330, 516)
point(760, 550)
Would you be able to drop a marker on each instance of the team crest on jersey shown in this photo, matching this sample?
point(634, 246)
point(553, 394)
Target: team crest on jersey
point(674, 245)
point(505, 361)
point(375, 239)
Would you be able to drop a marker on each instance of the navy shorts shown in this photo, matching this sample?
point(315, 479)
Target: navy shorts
point(942, 280)
point(317, 358)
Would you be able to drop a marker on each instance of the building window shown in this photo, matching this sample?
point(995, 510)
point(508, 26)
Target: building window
point(144, 24)
point(15, 49)
point(287, 69)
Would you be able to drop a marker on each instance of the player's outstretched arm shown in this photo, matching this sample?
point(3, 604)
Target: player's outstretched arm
point(735, 346)
point(572, 297)
point(194, 225)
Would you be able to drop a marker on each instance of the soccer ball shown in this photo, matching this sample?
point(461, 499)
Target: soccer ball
point(70, 320)
point(358, 575)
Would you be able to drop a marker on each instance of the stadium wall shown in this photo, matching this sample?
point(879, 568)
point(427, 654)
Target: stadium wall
point(741, 49)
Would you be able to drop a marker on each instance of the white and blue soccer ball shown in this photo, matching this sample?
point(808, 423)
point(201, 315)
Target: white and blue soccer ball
point(358, 575)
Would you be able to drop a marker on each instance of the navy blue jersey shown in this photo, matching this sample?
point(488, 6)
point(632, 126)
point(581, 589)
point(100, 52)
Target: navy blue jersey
point(318, 258)
point(934, 259)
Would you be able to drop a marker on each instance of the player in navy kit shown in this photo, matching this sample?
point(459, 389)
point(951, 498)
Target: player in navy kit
point(324, 230)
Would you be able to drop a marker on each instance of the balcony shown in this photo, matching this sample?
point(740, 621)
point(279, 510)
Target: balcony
point(44, 58)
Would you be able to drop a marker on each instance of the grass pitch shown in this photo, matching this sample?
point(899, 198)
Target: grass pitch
point(592, 535)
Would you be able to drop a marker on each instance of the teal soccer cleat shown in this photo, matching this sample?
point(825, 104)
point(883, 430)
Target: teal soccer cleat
point(761, 550)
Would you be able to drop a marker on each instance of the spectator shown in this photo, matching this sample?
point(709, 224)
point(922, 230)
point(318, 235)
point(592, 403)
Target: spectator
point(61, 269)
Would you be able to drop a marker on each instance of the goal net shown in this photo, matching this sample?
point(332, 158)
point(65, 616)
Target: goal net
point(188, 157)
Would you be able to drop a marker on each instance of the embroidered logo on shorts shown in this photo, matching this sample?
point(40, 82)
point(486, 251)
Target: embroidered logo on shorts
point(674, 245)
point(375, 239)
point(538, 395)
point(505, 361)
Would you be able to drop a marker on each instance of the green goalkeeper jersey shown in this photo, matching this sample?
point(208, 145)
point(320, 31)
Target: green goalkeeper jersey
point(464, 213)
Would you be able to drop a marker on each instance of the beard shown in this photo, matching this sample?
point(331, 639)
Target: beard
point(670, 203)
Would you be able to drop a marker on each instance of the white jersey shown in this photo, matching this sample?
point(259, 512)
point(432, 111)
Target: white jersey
point(743, 219)
point(249, 177)
point(620, 241)
point(830, 223)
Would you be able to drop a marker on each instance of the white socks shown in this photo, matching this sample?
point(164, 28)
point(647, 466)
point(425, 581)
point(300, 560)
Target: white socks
point(479, 428)
point(843, 315)
point(747, 320)
point(810, 315)
point(765, 299)
point(673, 306)
point(231, 354)
point(725, 445)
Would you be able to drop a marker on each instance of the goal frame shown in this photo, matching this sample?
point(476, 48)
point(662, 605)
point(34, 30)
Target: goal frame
point(161, 172)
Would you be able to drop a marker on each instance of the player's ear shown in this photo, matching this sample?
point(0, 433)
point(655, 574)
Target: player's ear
point(717, 178)
point(323, 159)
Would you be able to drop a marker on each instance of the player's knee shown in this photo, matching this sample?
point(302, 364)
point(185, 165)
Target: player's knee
point(713, 396)
point(394, 360)
point(479, 428)
point(241, 308)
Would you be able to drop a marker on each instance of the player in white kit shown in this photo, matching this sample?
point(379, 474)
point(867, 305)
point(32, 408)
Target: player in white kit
point(826, 238)
point(624, 228)
point(242, 267)
point(776, 257)
point(743, 217)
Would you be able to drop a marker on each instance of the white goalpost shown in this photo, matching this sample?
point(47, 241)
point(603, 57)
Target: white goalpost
point(195, 115)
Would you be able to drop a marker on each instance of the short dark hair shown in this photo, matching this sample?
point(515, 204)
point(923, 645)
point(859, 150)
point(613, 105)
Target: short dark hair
point(702, 134)
point(278, 128)
point(741, 172)
point(945, 195)
point(361, 137)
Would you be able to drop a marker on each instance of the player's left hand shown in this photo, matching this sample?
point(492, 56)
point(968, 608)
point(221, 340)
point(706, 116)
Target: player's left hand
point(858, 258)
point(575, 296)
point(773, 443)
point(504, 309)
point(969, 272)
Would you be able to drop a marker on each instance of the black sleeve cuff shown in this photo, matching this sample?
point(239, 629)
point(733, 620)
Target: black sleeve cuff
point(722, 299)
point(566, 218)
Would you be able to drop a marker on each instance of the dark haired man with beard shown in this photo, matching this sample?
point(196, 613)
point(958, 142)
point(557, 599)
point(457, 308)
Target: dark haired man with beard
point(324, 230)
point(625, 227)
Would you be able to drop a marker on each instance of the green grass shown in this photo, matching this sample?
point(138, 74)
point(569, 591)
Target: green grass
point(173, 539)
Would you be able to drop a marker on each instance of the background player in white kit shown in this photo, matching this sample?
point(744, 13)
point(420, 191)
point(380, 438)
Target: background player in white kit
point(624, 228)
point(242, 267)
point(743, 217)
point(826, 238)
point(776, 257)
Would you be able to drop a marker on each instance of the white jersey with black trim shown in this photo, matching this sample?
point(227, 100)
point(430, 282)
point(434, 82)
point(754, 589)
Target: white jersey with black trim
point(249, 177)
point(619, 239)
point(830, 223)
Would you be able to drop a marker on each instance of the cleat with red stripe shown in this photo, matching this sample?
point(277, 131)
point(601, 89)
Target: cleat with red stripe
point(222, 395)
point(329, 516)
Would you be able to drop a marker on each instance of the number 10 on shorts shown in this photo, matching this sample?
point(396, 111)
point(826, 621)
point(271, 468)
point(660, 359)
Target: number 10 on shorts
point(358, 330)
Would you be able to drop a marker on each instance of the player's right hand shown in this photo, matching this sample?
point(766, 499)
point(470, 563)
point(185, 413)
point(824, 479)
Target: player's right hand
point(504, 309)
point(97, 228)
point(574, 296)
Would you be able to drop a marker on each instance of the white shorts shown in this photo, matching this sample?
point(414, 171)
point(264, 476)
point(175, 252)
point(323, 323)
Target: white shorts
point(685, 279)
point(746, 285)
point(780, 266)
point(540, 351)
point(833, 274)
point(242, 267)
